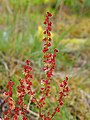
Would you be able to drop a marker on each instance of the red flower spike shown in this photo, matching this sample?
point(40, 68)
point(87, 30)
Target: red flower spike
point(42, 115)
point(47, 19)
point(42, 89)
point(66, 89)
point(33, 100)
point(57, 109)
point(42, 100)
point(49, 28)
point(61, 103)
point(45, 49)
point(49, 44)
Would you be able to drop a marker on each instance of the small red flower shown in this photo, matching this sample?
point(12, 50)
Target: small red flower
point(45, 49)
point(44, 32)
point(24, 118)
point(49, 39)
point(49, 14)
point(45, 39)
point(27, 62)
point(55, 50)
point(49, 34)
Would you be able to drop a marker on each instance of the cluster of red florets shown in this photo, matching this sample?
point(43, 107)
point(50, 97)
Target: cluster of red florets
point(63, 92)
point(49, 58)
point(23, 89)
point(25, 84)
point(9, 100)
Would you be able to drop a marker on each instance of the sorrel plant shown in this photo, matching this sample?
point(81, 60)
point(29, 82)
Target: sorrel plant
point(17, 108)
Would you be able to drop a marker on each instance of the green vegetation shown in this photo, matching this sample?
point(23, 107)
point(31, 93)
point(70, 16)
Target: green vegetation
point(21, 27)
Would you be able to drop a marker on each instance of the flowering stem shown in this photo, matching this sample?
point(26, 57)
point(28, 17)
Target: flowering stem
point(53, 114)
point(40, 114)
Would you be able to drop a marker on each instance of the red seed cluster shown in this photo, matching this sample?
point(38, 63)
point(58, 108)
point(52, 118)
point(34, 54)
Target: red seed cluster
point(49, 60)
point(63, 92)
point(25, 88)
point(22, 89)
point(9, 100)
point(9, 87)
point(47, 33)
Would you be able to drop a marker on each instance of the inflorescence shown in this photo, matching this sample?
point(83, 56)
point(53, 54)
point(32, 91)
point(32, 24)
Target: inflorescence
point(15, 109)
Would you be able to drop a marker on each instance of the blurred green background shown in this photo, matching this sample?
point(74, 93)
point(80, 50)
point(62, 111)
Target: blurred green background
point(21, 28)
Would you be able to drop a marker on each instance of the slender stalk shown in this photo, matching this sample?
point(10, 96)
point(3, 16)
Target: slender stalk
point(53, 114)
point(40, 114)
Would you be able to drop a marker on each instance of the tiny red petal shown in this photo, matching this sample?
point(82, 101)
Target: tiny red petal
point(66, 78)
point(57, 109)
point(50, 23)
point(44, 32)
point(55, 50)
point(45, 39)
point(49, 14)
point(61, 103)
point(42, 89)
point(27, 62)
point(49, 34)
point(45, 49)
point(45, 22)
point(49, 39)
